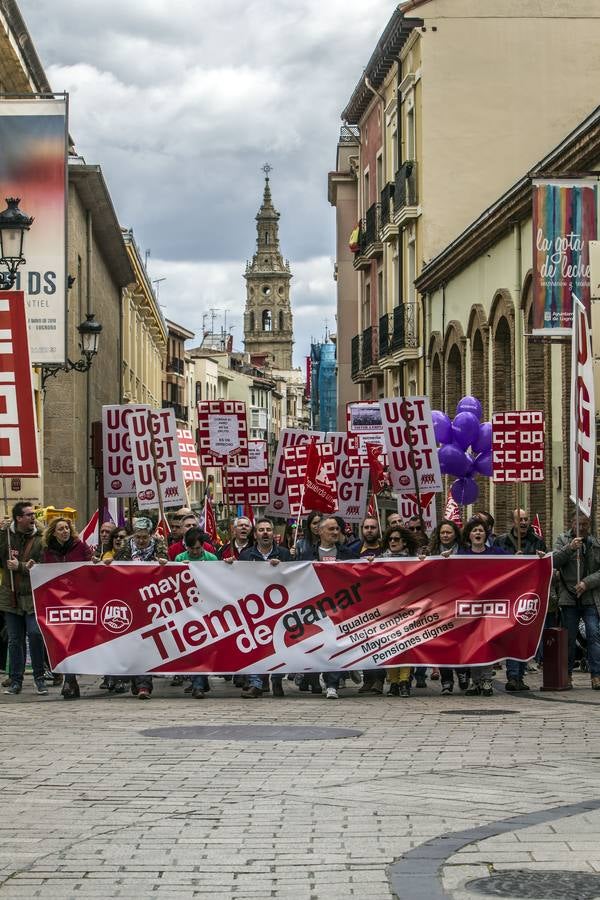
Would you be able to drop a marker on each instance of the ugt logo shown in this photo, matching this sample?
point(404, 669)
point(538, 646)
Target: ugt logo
point(526, 608)
point(116, 616)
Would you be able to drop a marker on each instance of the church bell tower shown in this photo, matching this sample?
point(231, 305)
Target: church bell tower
point(268, 328)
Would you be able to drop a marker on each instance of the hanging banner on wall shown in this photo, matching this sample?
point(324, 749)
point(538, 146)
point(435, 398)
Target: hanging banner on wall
point(565, 220)
point(33, 168)
point(18, 430)
point(295, 617)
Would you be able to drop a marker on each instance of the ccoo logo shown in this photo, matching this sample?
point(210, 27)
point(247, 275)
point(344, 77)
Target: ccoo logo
point(116, 616)
point(526, 608)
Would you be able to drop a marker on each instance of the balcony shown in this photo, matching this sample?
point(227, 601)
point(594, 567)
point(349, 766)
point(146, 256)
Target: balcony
point(355, 355)
point(181, 412)
point(385, 334)
point(406, 201)
point(404, 335)
point(388, 226)
point(175, 365)
point(369, 243)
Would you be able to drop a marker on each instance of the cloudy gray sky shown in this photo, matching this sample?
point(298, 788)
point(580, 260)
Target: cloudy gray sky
point(182, 101)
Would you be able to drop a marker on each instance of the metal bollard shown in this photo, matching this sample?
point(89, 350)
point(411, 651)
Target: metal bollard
point(556, 660)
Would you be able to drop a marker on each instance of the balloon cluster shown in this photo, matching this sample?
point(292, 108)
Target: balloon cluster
point(455, 437)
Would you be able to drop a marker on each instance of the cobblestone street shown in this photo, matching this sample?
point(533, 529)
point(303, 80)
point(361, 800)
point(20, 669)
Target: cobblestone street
point(414, 806)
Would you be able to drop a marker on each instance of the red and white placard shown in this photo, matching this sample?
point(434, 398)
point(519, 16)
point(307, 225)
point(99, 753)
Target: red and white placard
point(189, 457)
point(222, 433)
point(158, 427)
point(18, 431)
point(295, 459)
point(582, 468)
point(408, 432)
point(251, 484)
point(363, 426)
point(518, 445)
point(352, 480)
point(119, 480)
point(408, 507)
point(289, 437)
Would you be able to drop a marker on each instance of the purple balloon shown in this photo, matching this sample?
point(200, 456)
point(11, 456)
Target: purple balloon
point(470, 470)
point(464, 490)
point(483, 441)
point(483, 463)
point(442, 426)
point(453, 460)
point(469, 404)
point(465, 429)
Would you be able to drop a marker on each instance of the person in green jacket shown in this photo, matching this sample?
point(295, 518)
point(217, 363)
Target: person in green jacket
point(195, 552)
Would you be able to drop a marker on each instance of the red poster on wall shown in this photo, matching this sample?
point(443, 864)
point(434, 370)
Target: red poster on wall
point(18, 432)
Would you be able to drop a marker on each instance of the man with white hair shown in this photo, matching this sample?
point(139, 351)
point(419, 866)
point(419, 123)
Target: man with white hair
point(241, 539)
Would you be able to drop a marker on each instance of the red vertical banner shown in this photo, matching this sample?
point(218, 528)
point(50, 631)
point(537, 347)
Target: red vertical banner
point(18, 434)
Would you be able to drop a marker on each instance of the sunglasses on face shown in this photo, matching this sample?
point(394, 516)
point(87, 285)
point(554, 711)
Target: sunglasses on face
point(414, 528)
point(395, 539)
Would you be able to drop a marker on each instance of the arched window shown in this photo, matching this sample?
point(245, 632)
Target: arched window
point(281, 320)
point(267, 323)
point(251, 321)
point(453, 379)
point(266, 237)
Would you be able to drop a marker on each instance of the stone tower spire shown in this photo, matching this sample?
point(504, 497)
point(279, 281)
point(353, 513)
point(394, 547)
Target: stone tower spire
point(268, 327)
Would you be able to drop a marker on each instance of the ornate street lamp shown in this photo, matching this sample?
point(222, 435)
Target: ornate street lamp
point(89, 338)
point(13, 225)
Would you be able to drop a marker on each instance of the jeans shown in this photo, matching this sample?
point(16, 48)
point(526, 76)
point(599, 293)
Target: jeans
point(515, 670)
point(17, 627)
point(255, 681)
point(570, 618)
point(199, 682)
point(481, 673)
point(332, 679)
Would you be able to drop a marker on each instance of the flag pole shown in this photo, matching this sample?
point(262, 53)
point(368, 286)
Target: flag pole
point(161, 508)
point(574, 352)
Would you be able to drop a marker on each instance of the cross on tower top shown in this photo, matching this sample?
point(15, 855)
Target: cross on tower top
point(266, 169)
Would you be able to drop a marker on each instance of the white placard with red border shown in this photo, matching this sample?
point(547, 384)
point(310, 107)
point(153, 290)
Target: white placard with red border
point(119, 479)
point(289, 437)
point(189, 456)
point(222, 433)
point(295, 459)
point(408, 507)
point(410, 444)
point(363, 426)
point(352, 480)
point(518, 446)
point(251, 484)
point(156, 427)
point(18, 430)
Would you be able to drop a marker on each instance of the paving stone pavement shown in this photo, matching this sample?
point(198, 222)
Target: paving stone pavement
point(92, 807)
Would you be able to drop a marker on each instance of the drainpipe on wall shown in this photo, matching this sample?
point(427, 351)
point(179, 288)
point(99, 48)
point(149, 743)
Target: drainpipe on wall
point(519, 325)
point(88, 381)
point(426, 303)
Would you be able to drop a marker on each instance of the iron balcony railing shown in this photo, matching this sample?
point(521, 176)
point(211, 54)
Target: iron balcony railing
point(384, 334)
point(386, 203)
point(405, 185)
point(355, 354)
point(175, 365)
point(369, 348)
point(372, 220)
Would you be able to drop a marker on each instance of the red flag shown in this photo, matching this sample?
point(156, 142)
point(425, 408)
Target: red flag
point(249, 512)
point(210, 523)
point(162, 529)
point(90, 533)
point(320, 491)
point(537, 526)
point(371, 510)
point(379, 477)
point(452, 511)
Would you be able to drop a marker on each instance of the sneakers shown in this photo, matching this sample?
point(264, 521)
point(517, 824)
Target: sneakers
point(197, 694)
point(13, 688)
point(516, 685)
point(473, 690)
point(463, 680)
point(404, 688)
point(331, 694)
point(143, 693)
point(486, 687)
point(40, 687)
point(596, 682)
point(251, 693)
point(447, 687)
point(394, 690)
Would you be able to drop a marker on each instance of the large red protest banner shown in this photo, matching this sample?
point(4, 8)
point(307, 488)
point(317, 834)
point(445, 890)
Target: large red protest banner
point(18, 433)
point(296, 617)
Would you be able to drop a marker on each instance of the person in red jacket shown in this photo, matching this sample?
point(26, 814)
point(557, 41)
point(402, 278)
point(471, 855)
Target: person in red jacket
point(61, 543)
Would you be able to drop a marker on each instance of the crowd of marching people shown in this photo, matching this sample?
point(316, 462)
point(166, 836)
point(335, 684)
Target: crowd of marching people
point(574, 596)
